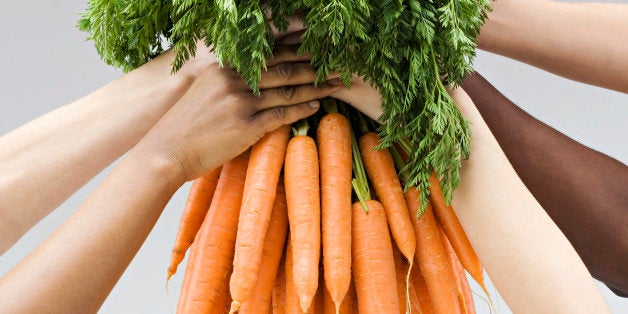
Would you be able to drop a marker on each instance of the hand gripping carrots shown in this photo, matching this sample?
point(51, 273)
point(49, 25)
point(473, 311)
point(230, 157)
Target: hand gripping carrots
point(259, 250)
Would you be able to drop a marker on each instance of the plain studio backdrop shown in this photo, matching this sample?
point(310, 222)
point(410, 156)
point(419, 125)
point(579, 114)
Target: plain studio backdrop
point(46, 63)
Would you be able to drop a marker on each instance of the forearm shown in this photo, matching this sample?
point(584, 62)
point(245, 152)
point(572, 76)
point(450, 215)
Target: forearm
point(582, 190)
point(529, 260)
point(44, 162)
point(74, 270)
point(580, 41)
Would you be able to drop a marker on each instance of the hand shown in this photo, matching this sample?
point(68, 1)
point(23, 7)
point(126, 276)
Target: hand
point(362, 96)
point(204, 56)
point(218, 117)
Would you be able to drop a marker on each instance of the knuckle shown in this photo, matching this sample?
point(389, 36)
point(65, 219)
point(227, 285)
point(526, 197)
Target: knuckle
point(284, 71)
point(278, 113)
point(287, 92)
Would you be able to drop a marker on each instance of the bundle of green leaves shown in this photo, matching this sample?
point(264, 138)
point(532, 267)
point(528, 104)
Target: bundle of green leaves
point(410, 50)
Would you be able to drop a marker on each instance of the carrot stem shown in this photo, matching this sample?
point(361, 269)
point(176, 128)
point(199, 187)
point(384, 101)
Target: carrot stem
point(360, 181)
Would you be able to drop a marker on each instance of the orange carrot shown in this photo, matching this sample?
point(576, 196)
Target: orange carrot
point(187, 277)
point(401, 271)
point(380, 169)
point(292, 299)
point(224, 299)
point(217, 238)
point(303, 195)
point(455, 233)
point(421, 292)
point(260, 299)
point(279, 288)
point(466, 302)
point(432, 258)
point(267, 157)
point(318, 304)
point(349, 304)
point(198, 202)
point(334, 149)
point(373, 261)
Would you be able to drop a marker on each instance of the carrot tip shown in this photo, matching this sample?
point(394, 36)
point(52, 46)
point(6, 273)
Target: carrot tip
point(235, 306)
point(305, 305)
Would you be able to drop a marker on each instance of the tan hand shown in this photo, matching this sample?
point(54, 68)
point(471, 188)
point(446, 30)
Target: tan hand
point(218, 118)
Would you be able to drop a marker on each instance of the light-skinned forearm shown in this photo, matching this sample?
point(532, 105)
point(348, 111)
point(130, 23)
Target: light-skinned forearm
point(45, 161)
point(74, 270)
point(580, 41)
point(583, 191)
point(529, 260)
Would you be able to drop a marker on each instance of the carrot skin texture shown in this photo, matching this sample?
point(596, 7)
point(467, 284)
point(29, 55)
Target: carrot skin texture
point(401, 270)
point(381, 172)
point(334, 146)
point(373, 261)
point(432, 258)
point(260, 299)
point(463, 291)
point(421, 292)
point(217, 238)
point(196, 207)
point(279, 288)
point(267, 157)
point(292, 299)
point(224, 300)
point(187, 277)
point(304, 212)
point(455, 233)
point(349, 304)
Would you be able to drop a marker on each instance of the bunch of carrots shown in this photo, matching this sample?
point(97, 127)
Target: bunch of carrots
point(290, 226)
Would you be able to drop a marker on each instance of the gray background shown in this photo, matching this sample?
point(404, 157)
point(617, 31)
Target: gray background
point(46, 63)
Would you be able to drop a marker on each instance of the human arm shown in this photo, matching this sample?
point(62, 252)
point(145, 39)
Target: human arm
point(582, 190)
point(218, 118)
point(580, 41)
point(45, 161)
point(532, 264)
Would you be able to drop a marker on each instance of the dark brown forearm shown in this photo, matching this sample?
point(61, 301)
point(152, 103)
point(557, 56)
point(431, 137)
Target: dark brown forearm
point(583, 191)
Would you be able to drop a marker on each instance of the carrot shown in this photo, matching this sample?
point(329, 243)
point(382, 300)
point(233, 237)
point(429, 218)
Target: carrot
point(304, 212)
point(292, 299)
point(373, 261)
point(400, 272)
point(224, 299)
point(217, 238)
point(381, 172)
point(348, 305)
point(267, 157)
point(199, 199)
point(421, 292)
point(334, 149)
point(465, 299)
point(318, 304)
point(415, 304)
point(260, 299)
point(187, 277)
point(455, 233)
point(279, 288)
point(432, 258)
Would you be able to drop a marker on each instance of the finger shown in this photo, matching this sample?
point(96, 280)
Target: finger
point(291, 39)
point(287, 54)
point(287, 74)
point(291, 95)
point(295, 24)
point(272, 118)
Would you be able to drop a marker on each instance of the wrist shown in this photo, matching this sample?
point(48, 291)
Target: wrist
point(157, 165)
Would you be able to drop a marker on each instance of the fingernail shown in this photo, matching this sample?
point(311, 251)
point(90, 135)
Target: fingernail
point(334, 82)
point(314, 104)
